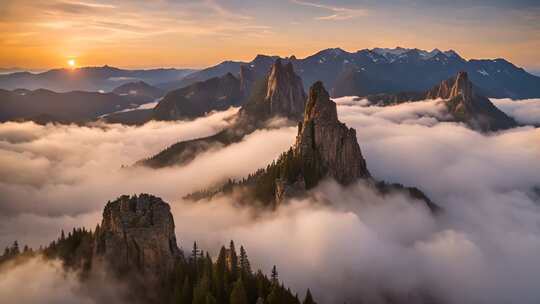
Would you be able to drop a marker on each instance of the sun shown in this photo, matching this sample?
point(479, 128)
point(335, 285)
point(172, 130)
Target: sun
point(71, 63)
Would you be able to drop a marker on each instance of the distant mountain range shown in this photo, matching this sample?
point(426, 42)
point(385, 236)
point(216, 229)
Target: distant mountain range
point(381, 70)
point(103, 78)
point(45, 106)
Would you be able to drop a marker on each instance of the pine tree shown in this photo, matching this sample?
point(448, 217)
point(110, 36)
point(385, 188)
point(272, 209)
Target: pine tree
point(275, 276)
point(309, 298)
point(194, 252)
point(220, 275)
point(238, 294)
point(233, 261)
point(245, 267)
point(15, 249)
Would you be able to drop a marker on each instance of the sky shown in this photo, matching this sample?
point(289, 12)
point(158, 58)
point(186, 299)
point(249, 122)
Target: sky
point(40, 34)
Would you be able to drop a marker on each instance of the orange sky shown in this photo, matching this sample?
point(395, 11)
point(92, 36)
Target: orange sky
point(161, 33)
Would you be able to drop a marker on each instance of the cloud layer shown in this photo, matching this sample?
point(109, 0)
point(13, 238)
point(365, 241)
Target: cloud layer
point(524, 111)
point(483, 249)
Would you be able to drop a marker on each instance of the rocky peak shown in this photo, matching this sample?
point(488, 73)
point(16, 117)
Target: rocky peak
point(467, 106)
point(137, 233)
point(284, 91)
point(319, 107)
point(462, 87)
point(329, 145)
point(458, 86)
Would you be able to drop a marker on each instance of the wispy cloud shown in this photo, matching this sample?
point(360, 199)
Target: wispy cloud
point(336, 12)
point(74, 7)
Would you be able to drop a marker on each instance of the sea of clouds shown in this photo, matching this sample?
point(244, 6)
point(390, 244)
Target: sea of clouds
point(484, 247)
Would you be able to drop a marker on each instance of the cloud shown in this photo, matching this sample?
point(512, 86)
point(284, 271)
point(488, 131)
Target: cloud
point(336, 12)
point(524, 111)
point(78, 7)
point(45, 169)
point(484, 248)
point(47, 282)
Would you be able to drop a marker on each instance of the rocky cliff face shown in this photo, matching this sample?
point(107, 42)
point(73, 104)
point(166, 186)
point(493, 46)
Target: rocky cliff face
point(282, 95)
point(324, 147)
point(137, 234)
point(323, 140)
point(285, 92)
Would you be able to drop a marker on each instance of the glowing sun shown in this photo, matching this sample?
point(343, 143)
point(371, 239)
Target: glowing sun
point(71, 63)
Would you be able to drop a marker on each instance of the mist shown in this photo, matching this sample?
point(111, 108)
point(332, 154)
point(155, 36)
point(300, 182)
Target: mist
point(525, 111)
point(483, 248)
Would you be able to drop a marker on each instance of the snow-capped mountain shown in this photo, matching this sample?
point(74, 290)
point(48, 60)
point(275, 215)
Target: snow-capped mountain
point(383, 70)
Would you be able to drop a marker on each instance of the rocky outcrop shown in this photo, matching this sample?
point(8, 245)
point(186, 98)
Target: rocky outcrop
point(323, 140)
point(469, 107)
point(463, 101)
point(284, 91)
point(137, 236)
point(281, 95)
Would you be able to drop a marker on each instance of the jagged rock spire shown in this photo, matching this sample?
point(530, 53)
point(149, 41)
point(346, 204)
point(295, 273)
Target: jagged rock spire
point(468, 106)
point(462, 86)
point(453, 87)
point(285, 91)
point(282, 94)
point(326, 142)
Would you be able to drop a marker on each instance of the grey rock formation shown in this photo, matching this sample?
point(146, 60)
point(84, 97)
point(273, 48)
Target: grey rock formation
point(469, 107)
point(281, 95)
point(463, 101)
point(285, 91)
point(323, 140)
point(137, 234)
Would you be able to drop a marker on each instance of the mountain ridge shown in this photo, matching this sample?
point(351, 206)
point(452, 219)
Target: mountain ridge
point(406, 70)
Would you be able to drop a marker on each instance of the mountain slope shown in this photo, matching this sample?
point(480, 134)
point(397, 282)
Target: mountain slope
point(199, 98)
